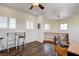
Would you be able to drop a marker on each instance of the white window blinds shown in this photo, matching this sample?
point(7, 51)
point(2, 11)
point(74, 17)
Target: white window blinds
point(29, 25)
point(12, 23)
point(3, 22)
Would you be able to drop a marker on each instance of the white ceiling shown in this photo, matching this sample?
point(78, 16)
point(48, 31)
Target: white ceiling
point(51, 11)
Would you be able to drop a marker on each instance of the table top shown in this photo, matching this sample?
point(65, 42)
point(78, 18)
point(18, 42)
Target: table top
point(74, 47)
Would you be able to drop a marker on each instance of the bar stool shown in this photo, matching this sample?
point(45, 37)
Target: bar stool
point(21, 37)
point(10, 44)
point(1, 38)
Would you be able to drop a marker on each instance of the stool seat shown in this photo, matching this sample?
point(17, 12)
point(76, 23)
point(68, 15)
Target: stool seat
point(1, 38)
point(21, 36)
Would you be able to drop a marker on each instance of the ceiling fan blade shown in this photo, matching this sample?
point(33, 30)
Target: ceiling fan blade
point(40, 6)
point(31, 7)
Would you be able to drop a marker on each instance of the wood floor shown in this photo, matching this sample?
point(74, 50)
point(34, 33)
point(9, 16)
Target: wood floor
point(32, 49)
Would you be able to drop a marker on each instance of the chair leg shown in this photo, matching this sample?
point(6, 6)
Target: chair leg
point(23, 43)
point(15, 42)
point(7, 44)
point(18, 43)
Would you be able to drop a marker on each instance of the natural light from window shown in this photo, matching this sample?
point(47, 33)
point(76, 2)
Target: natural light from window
point(47, 27)
point(12, 23)
point(6, 22)
point(3, 22)
point(63, 26)
point(29, 25)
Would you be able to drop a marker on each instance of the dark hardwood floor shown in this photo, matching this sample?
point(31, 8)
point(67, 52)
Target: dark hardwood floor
point(32, 49)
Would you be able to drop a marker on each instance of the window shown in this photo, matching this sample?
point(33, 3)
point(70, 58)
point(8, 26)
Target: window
point(29, 25)
point(7, 22)
point(3, 22)
point(47, 26)
point(12, 23)
point(63, 26)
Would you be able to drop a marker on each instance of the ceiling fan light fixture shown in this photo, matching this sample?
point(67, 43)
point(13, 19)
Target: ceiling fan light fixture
point(35, 4)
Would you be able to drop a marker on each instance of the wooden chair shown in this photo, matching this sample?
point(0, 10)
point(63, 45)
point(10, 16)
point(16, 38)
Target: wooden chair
point(60, 50)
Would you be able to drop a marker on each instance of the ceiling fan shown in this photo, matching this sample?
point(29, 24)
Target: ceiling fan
point(37, 5)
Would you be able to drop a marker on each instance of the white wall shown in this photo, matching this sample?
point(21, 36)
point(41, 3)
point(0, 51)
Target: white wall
point(21, 18)
point(73, 27)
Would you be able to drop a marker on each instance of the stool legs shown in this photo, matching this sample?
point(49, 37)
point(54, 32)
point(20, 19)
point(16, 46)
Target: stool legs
point(7, 43)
